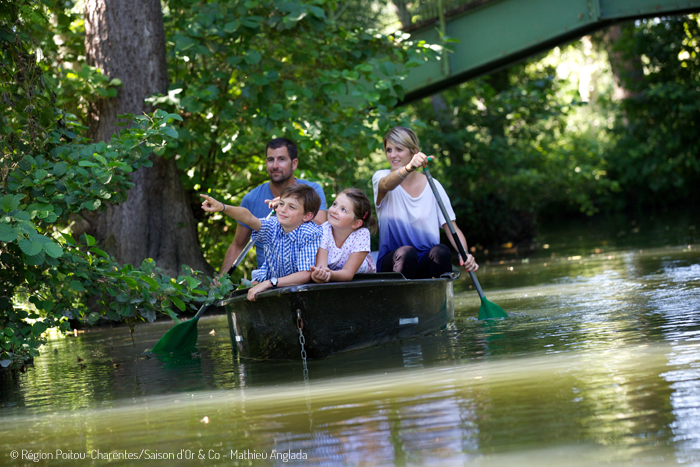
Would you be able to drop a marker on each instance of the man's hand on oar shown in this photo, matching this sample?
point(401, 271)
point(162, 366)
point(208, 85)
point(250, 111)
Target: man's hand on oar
point(272, 203)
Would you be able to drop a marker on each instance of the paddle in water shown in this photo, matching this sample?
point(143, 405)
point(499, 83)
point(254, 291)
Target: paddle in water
point(487, 310)
point(183, 336)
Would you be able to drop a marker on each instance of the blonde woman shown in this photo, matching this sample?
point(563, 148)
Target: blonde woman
point(409, 216)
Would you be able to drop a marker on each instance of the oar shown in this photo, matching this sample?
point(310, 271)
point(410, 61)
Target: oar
point(183, 336)
point(487, 310)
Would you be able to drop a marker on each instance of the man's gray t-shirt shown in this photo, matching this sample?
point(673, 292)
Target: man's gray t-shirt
point(255, 203)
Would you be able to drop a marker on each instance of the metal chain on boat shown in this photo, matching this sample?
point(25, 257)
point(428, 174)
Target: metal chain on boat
point(302, 341)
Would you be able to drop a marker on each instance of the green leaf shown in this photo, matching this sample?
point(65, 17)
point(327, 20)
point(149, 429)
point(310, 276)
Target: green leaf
point(87, 164)
point(77, 286)
point(89, 239)
point(160, 113)
point(38, 328)
point(174, 316)
point(22, 215)
point(178, 303)
point(60, 168)
point(36, 260)
point(68, 238)
point(150, 281)
point(130, 282)
point(29, 247)
point(9, 332)
point(99, 252)
point(93, 204)
point(10, 202)
point(7, 233)
point(169, 131)
point(232, 26)
point(387, 68)
point(252, 57)
point(53, 250)
point(192, 282)
point(317, 12)
point(48, 305)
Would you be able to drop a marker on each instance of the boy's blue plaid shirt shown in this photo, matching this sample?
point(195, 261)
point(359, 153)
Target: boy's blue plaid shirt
point(287, 253)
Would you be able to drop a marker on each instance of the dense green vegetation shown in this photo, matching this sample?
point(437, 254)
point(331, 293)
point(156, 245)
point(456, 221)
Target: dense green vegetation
point(48, 172)
point(656, 153)
point(514, 147)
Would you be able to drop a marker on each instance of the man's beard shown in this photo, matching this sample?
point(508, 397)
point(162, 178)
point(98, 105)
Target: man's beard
point(279, 177)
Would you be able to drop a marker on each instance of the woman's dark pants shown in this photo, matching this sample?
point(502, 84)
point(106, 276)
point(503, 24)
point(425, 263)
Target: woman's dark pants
point(405, 260)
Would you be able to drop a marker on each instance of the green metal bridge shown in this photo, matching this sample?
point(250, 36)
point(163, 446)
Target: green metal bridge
point(494, 34)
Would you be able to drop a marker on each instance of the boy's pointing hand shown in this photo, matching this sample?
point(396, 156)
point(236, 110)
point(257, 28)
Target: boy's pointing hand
point(211, 205)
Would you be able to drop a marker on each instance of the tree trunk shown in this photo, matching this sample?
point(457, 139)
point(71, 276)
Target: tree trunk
point(627, 69)
point(403, 13)
point(126, 40)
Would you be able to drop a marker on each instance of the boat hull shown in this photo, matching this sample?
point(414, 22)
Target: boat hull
point(370, 310)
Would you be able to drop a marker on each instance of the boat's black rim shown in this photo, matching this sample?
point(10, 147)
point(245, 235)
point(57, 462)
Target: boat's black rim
point(383, 278)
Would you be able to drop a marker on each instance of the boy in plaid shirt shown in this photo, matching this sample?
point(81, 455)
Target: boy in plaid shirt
point(291, 239)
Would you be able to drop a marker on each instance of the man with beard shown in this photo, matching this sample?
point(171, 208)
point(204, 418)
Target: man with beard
point(281, 161)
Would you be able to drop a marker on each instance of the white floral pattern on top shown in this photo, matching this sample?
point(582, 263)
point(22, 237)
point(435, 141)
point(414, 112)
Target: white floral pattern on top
point(357, 241)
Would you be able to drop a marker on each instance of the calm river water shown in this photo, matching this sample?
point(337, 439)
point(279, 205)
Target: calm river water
point(599, 363)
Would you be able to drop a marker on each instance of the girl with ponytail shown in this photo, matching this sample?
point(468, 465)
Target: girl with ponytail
point(345, 244)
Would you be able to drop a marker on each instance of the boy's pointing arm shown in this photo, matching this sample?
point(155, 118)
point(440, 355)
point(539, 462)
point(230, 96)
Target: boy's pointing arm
point(240, 214)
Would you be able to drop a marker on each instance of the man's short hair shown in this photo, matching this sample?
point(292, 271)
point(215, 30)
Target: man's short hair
point(283, 143)
point(304, 194)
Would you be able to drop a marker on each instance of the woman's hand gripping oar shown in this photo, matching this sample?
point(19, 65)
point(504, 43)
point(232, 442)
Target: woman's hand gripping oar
point(488, 309)
point(183, 336)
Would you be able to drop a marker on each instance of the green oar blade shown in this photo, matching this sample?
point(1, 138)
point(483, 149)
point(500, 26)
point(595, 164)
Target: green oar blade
point(489, 310)
point(180, 338)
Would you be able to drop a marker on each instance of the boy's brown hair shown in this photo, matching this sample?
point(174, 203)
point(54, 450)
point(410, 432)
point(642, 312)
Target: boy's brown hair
point(306, 195)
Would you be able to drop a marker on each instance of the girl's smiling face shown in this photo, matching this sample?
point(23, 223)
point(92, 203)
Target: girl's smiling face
point(398, 156)
point(341, 214)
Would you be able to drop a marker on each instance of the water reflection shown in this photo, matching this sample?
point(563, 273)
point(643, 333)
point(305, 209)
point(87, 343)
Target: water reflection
point(447, 413)
point(598, 362)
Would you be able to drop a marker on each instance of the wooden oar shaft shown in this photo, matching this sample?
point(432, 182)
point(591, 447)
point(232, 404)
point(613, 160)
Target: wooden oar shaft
point(460, 247)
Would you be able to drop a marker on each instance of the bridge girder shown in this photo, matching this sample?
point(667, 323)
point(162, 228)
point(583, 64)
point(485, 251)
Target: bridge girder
point(496, 34)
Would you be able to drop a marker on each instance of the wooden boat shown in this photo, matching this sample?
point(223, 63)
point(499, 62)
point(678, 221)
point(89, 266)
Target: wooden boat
point(372, 309)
